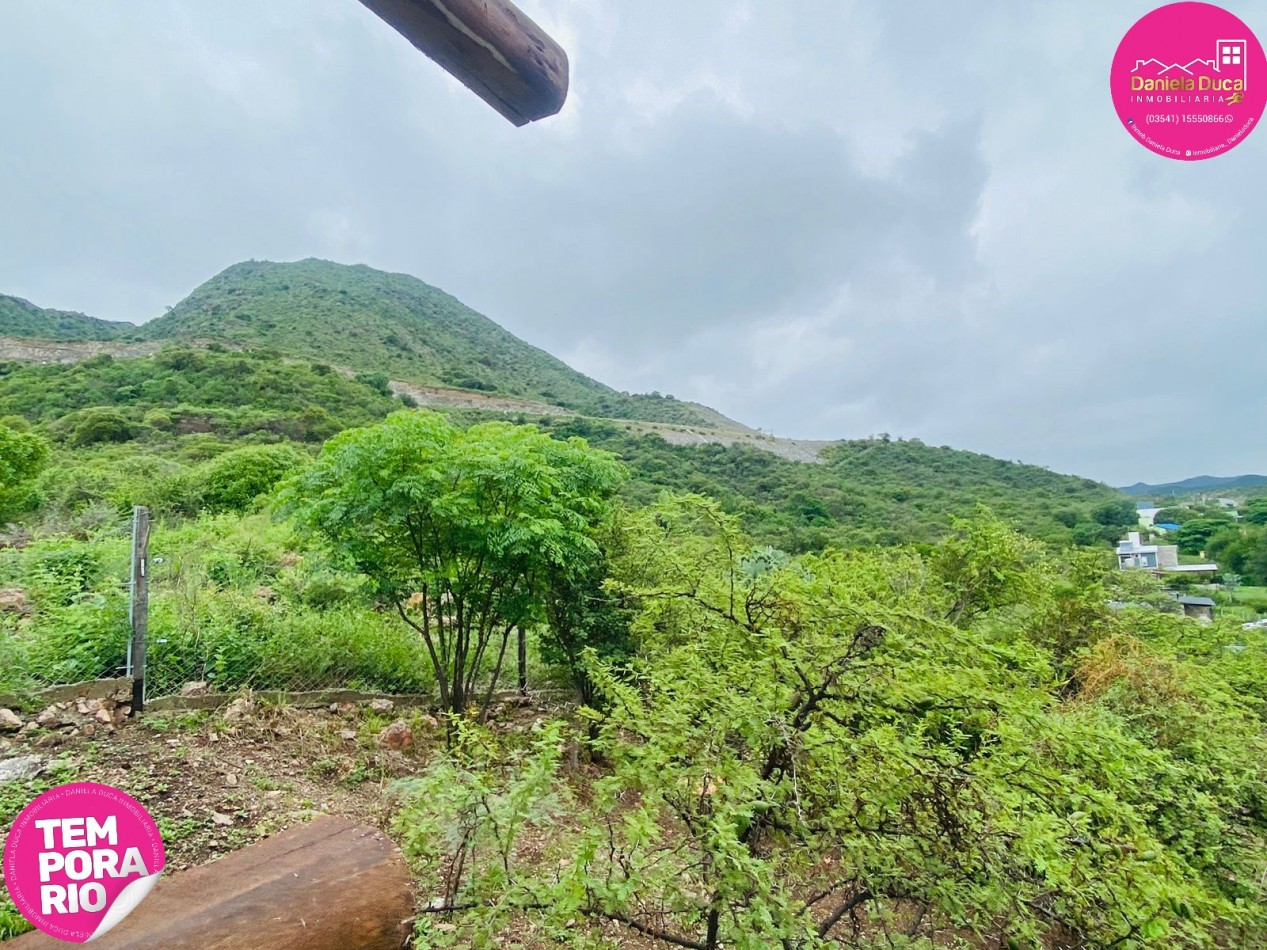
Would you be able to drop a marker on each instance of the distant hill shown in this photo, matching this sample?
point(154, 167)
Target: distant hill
point(1199, 483)
point(264, 350)
point(188, 403)
point(862, 491)
point(376, 322)
point(22, 318)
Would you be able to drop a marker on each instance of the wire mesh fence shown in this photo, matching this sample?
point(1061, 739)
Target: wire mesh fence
point(63, 610)
point(228, 606)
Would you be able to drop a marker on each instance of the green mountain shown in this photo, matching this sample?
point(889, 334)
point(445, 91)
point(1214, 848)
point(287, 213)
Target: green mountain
point(22, 318)
point(862, 491)
point(110, 417)
point(1199, 483)
point(255, 354)
point(375, 322)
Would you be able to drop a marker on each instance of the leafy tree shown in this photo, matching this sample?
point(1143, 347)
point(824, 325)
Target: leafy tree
point(1118, 514)
point(1177, 516)
point(1193, 535)
point(97, 424)
point(458, 529)
point(234, 480)
point(22, 456)
point(584, 622)
point(1067, 517)
point(1256, 511)
point(375, 381)
point(1090, 534)
point(806, 754)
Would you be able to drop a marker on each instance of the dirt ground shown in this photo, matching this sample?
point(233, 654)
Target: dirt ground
point(218, 781)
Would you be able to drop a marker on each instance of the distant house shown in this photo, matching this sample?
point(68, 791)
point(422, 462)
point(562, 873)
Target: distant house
point(1133, 554)
point(1200, 608)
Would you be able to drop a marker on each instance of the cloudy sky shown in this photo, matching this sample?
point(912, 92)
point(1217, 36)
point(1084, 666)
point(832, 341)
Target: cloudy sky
point(825, 218)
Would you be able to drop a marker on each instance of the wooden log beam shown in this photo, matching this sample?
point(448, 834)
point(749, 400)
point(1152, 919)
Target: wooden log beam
point(491, 46)
point(326, 885)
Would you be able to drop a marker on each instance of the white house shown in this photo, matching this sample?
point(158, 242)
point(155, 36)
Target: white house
point(1131, 553)
point(1159, 558)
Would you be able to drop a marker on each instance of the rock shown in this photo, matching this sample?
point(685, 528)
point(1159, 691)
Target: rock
point(346, 709)
point(20, 768)
point(220, 819)
point(347, 735)
point(231, 780)
point(197, 688)
point(49, 739)
point(9, 721)
point(121, 713)
point(382, 705)
point(431, 722)
point(104, 716)
point(49, 716)
point(90, 729)
point(240, 708)
point(213, 736)
point(13, 600)
point(397, 736)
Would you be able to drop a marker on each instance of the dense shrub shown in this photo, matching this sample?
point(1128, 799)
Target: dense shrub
point(236, 479)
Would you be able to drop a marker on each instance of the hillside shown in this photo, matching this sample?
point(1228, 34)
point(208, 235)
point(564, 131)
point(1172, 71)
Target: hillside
point(1199, 483)
point(372, 321)
point(112, 416)
point(863, 491)
point(299, 351)
point(21, 318)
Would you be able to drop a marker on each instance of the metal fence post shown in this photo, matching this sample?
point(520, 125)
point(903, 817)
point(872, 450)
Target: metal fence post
point(138, 604)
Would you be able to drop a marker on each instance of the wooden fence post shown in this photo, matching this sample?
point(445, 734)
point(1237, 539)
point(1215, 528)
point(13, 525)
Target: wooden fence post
point(523, 661)
point(138, 604)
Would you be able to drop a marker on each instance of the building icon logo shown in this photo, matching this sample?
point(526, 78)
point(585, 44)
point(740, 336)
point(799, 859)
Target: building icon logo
point(1189, 81)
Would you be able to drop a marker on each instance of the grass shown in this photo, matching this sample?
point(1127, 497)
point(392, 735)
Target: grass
point(1253, 597)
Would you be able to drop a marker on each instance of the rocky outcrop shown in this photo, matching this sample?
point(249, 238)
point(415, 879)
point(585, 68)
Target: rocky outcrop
point(53, 351)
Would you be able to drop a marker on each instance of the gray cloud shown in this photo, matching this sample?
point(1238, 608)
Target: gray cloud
point(824, 218)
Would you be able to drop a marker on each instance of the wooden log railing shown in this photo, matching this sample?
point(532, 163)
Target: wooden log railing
point(325, 885)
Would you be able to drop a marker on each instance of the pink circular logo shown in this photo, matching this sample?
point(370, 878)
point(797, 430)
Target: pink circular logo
point(80, 858)
point(1189, 81)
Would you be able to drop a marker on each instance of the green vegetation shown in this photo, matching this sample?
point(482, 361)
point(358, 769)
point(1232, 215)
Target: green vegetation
point(390, 324)
point(181, 391)
point(1239, 550)
point(235, 601)
point(144, 431)
point(866, 491)
point(461, 530)
point(869, 749)
point(22, 318)
point(22, 456)
point(897, 698)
